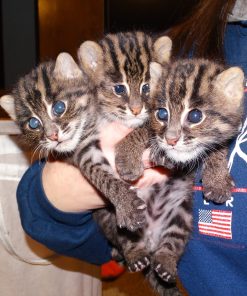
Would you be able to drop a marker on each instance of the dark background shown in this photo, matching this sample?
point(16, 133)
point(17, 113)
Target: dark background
point(32, 31)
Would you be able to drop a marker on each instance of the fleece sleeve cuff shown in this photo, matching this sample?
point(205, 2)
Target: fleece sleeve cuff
point(72, 234)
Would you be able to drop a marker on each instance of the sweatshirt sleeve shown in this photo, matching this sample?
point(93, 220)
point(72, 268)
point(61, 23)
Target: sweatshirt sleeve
point(72, 234)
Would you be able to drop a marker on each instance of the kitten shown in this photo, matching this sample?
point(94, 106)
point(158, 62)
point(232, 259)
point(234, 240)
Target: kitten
point(195, 110)
point(157, 247)
point(53, 106)
point(121, 70)
point(119, 66)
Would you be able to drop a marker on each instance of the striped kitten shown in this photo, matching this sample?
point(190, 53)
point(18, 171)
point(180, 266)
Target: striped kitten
point(54, 104)
point(195, 110)
point(157, 247)
point(119, 66)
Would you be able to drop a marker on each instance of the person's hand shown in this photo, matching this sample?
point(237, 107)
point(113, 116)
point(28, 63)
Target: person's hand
point(151, 174)
point(110, 136)
point(69, 191)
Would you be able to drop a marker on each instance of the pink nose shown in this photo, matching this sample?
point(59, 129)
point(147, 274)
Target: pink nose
point(172, 141)
point(136, 110)
point(53, 137)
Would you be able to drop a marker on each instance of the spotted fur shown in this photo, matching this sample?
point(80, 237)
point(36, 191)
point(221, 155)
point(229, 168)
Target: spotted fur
point(156, 248)
point(182, 87)
point(180, 145)
point(123, 59)
point(90, 102)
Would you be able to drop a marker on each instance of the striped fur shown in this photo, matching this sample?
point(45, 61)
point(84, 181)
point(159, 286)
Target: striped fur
point(123, 59)
point(73, 136)
point(181, 88)
point(75, 133)
point(35, 96)
point(156, 248)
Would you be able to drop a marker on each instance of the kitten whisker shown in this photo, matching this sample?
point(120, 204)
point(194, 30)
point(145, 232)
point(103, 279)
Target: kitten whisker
point(38, 147)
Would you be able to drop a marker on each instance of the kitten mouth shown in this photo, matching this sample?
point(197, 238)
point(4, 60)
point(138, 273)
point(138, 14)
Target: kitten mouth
point(61, 145)
point(179, 149)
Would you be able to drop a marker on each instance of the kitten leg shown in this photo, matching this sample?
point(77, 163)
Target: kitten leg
point(176, 230)
point(165, 264)
point(216, 179)
point(162, 288)
point(130, 209)
point(129, 152)
point(125, 244)
point(136, 255)
point(107, 221)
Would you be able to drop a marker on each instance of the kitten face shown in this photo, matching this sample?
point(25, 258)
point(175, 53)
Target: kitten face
point(196, 105)
point(49, 105)
point(126, 80)
point(123, 74)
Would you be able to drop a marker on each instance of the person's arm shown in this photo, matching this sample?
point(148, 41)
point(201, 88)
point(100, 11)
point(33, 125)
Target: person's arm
point(71, 232)
point(67, 189)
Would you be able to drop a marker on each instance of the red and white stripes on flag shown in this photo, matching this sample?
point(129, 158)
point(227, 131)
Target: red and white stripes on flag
point(215, 223)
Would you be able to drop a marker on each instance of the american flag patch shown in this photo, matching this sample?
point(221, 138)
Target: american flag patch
point(215, 223)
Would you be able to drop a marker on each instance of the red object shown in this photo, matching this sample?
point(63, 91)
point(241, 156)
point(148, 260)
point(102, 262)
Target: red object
point(111, 270)
point(235, 189)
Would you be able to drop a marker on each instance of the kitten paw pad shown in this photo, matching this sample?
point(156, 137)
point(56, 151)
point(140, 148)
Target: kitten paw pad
point(132, 215)
point(217, 196)
point(139, 265)
point(217, 188)
point(164, 274)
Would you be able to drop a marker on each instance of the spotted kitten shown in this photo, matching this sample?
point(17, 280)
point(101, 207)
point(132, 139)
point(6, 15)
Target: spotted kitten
point(119, 67)
point(195, 110)
point(54, 104)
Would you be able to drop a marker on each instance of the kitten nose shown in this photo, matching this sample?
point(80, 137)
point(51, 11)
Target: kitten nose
point(172, 141)
point(136, 110)
point(53, 137)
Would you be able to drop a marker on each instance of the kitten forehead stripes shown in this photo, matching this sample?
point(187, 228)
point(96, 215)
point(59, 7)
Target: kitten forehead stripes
point(187, 79)
point(128, 54)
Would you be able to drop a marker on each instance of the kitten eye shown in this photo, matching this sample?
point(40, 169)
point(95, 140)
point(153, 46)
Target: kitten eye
point(195, 116)
point(145, 88)
point(58, 108)
point(120, 89)
point(34, 123)
point(162, 114)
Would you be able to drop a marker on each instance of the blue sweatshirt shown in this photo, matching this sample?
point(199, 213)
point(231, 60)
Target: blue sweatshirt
point(71, 234)
point(215, 261)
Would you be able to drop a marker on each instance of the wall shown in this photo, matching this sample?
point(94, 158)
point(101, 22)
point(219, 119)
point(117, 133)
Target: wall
point(63, 25)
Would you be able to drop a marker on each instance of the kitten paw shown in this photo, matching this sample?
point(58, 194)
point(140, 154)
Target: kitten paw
point(164, 274)
point(218, 192)
point(139, 264)
point(165, 265)
point(131, 214)
point(129, 171)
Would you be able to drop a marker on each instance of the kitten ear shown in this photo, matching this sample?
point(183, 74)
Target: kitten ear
point(90, 55)
point(66, 67)
point(7, 102)
point(162, 49)
point(155, 73)
point(231, 83)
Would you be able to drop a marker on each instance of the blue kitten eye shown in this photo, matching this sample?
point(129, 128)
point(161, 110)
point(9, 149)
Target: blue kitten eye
point(162, 114)
point(34, 123)
point(194, 116)
point(145, 88)
point(120, 89)
point(58, 108)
